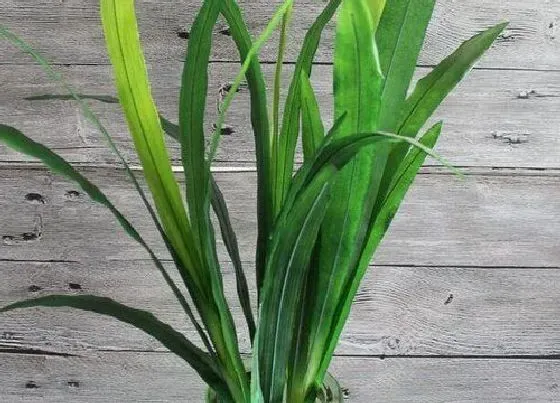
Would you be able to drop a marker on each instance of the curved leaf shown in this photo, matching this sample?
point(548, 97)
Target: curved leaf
point(88, 113)
point(357, 92)
point(176, 342)
point(19, 142)
point(192, 103)
point(378, 227)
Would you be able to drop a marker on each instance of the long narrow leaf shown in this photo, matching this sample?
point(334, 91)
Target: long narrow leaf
point(143, 320)
point(230, 242)
point(432, 90)
point(218, 204)
point(289, 254)
point(259, 121)
point(19, 142)
point(400, 36)
point(264, 168)
point(278, 72)
point(123, 45)
point(88, 113)
point(357, 89)
point(312, 129)
point(285, 144)
point(378, 227)
point(192, 105)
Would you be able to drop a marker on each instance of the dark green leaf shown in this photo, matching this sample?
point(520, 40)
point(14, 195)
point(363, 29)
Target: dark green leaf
point(357, 90)
point(378, 227)
point(19, 142)
point(177, 343)
point(259, 120)
point(194, 87)
point(400, 36)
point(88, 113)
point(285, 144)
point(432, 89)
point(230, 242)
point(312, 130)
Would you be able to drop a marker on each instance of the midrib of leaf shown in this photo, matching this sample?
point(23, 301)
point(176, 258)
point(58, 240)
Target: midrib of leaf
point(178, 229)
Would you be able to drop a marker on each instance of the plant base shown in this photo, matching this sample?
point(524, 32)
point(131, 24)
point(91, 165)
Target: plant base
point(329, 393)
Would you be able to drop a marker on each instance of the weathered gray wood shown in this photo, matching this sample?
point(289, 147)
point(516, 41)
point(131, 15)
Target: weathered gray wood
point(408, 311)
point(530, 42)
point(481, 221)
point(121, 377)
point(494, 119)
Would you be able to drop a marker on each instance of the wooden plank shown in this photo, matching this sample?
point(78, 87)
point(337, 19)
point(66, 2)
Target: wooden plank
point(480, 221)
point(494, 119)
point(399, 311)
point(483, 220)
point(144, 377)
point(531, 41)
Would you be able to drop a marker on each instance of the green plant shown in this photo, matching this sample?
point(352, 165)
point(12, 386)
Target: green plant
point(317, 229)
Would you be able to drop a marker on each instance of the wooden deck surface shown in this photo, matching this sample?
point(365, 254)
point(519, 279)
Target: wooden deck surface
point(462, 302)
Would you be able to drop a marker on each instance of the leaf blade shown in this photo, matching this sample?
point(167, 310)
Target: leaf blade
point(143, 320)
point(123, 45)
point(312, 127)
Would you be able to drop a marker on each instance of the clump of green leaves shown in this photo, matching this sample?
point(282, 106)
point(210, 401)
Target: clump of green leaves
point(317, 229)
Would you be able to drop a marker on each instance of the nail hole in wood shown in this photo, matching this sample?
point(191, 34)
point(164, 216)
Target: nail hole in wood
point(183, 34)
point(345, 393)
point(29, 236)
point(73, 384)
point(74, 286)
point(34, 198)
point(34, 288)
point(31, 385)
point(225, 32)
point(72, 195)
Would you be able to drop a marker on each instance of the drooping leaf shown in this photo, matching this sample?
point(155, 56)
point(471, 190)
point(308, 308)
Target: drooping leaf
point(19, 142)
point(218, 204)
point(88, 113)
point(312, 129)
point(176, 342)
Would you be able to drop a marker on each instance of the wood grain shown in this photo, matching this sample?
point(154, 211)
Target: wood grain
point(483, 220)
point(531, 41)
point(399, 311)
point(103, 377)
point(494, 119)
